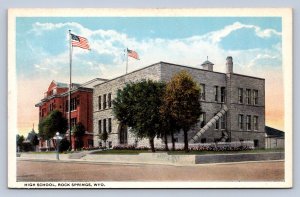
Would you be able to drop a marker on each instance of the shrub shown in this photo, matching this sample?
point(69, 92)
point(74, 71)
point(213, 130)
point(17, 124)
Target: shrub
point(64, 145)
point(218, 147)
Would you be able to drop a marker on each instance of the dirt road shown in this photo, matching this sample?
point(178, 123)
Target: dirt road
point(74, 171)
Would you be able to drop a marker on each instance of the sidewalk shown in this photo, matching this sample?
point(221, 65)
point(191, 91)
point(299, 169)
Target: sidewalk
point(155, 158)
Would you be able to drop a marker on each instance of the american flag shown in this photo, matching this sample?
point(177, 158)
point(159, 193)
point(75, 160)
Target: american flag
point(78, 41)
point(132, 54)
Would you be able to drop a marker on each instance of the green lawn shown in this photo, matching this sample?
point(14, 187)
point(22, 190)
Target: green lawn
point(121, 152)
point(135, 152)
point(224, 152)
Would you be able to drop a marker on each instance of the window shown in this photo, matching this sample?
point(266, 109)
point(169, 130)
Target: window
point(73, 104)
point(255, 122)
point(109, 100)
point(67, 106)
point(216, 93)
point(104, 126)
point(202, 92)
point(255, 97)
point(109, 125)
point(223, 94)
point(248, 96)
point(109, 144)
point(256, 143)
point(104, 101)
point(54, 91)
point(43, 112)
point(73, 122)
point(99, 102)
point(99, 126)
point(248, 122)
point(202, 119)
point(241, 121)
point(203, 140)
point(90, 142)
point(217, 125)
point(240, 95)
point(51, 107)
point(223, 122)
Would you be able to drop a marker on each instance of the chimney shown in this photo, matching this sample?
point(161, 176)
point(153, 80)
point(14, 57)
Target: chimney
point(229, 65)
point(207, 65)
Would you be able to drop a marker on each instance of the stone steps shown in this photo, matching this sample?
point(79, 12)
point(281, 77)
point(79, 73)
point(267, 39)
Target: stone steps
point(208, 125)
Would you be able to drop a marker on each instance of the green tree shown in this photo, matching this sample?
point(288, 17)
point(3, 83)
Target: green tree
point(54, 122)
point(78, 132)
point(182, 100)
point(137, 106)
point(20, 139)
point(33, 139)
point(64, 145)
point(169, 126)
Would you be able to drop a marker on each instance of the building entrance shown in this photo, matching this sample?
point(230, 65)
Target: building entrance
point(123, 133)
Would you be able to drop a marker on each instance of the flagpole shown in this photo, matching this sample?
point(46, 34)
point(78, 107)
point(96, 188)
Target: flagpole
point(70, 86)
point(126, 60)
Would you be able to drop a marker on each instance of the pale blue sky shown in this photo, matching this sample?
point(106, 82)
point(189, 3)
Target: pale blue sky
point(33, 43)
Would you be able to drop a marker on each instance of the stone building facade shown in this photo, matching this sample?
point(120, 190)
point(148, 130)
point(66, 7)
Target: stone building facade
point(233, 105)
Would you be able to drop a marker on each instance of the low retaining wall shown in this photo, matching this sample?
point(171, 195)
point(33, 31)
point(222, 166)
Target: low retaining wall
point(149, 158)
point(238, 157)
point(48, 156)
point(163, 158)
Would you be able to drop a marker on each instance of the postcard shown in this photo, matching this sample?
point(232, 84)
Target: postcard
point(150, 98)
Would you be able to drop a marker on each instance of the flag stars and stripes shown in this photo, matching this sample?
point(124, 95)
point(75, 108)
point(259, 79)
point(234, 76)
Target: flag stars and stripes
point(78, 41)
point(133, 54)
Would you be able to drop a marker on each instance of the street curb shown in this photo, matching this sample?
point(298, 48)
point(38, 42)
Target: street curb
point(135, 164)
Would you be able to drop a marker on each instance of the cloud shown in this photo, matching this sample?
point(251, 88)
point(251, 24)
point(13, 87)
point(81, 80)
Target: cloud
point(107, 49)
point(218, 35)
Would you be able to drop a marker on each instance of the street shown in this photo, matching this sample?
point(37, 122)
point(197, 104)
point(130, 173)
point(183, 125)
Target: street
point(83, 171)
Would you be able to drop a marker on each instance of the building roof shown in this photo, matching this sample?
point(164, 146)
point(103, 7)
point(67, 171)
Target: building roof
point(60, 84)
point(93, 81)
point(207, 62)
point(272, 132)
point(172, 64)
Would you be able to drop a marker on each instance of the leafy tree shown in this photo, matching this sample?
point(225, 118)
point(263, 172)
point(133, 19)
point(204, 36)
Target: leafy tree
point(54, 122)
point(32, 138)
point(20, 139)
point(64, 145)
point(35, 141)
point(137, 106)
point(78, 132)
point(182, 100)
point(168, 125)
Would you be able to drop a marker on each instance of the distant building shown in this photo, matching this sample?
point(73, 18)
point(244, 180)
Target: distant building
point(274, 138)
point(56, 98)
point(233, 105)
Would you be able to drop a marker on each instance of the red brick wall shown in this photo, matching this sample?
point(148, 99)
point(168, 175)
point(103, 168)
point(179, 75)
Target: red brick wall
point(83, 113)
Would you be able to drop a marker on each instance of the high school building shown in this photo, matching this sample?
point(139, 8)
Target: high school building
point(56, 98)
point(233, 105)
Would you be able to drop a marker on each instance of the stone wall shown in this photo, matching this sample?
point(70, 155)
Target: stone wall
point(112, 86)
point(164, 71)
point(236, 108)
